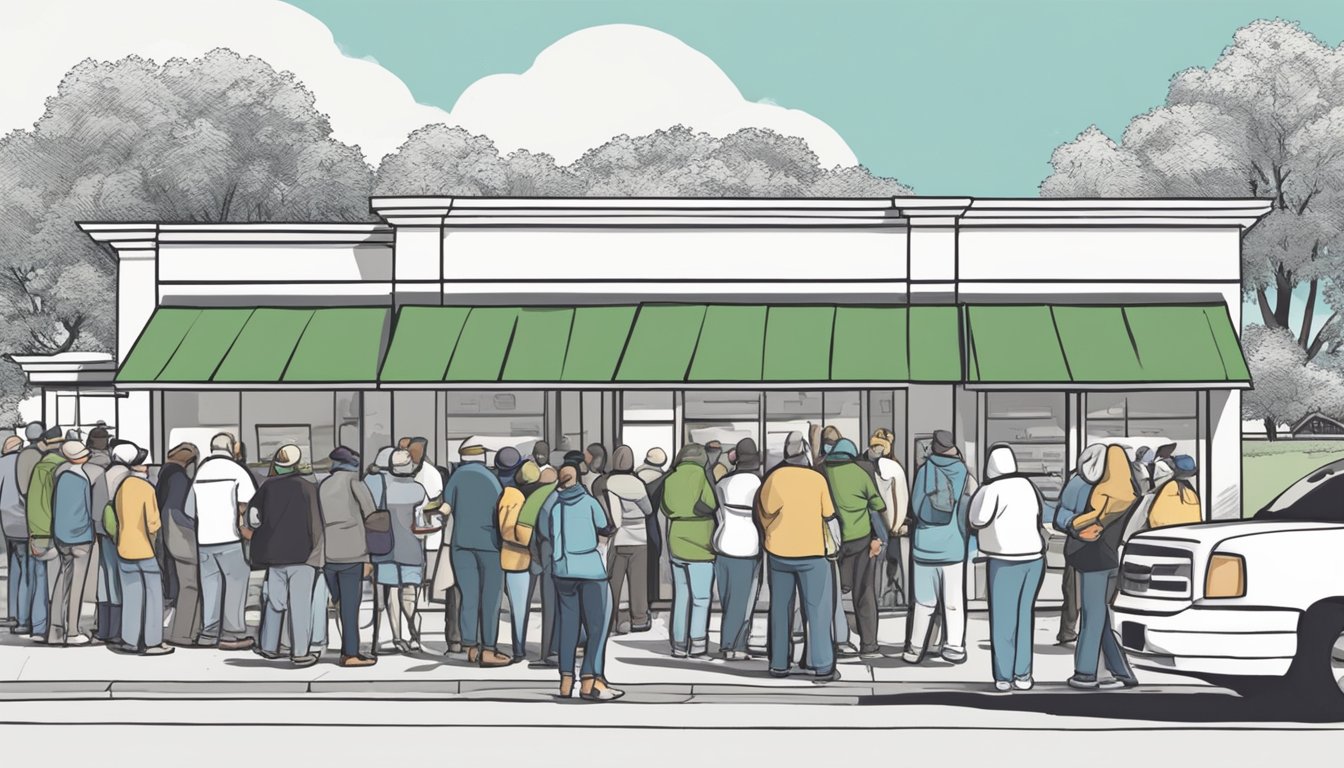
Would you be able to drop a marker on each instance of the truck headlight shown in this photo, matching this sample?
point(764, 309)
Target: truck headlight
point(1226, 577)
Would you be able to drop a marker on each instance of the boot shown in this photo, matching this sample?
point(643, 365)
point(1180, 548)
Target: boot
point(474, 654)
point(566, 686)
point(492, 658)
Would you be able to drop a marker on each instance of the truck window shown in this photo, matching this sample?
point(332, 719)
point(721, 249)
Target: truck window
point(1318, 497)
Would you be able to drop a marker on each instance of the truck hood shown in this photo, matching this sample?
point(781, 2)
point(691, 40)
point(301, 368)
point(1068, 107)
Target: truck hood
point(1207, 535)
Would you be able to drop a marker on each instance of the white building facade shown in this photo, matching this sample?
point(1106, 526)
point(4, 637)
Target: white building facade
point(1045, 324)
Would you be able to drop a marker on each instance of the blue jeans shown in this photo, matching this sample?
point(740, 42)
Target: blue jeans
point(585, 604)
point(482, 583)
point(27, 586)
point(810, 579)
point(288, 601)
point(224, 575)
point(345, 582)
point(519, 586)
point(321, 597)
point(1096, 638)
point(141, 583)
point(691, 586)
point(739, 579)
point(1013, 586)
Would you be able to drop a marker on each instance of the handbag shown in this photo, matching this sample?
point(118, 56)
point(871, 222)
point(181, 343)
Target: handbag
point(378, 527)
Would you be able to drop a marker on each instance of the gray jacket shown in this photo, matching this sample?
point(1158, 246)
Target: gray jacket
point(345, 501)
point(13, 516)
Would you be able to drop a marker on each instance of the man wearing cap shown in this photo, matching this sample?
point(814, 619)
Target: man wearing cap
point(72, 532)
point(346, 502)
point(471, 497)
point(138, 522)
point(287, 542)
point(14, 522)
point(940, 505)
point(221, 492)
point(737, 549)
point(37, 479)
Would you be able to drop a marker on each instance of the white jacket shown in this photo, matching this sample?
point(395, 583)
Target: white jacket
point(1007, 511)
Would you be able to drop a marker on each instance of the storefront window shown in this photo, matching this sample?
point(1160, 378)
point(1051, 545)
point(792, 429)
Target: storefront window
point(305, 419)
point(496, 419)
point(787, 412)
point(842, 411)
point(377, 424)
point(1033, 423)
point(195, 417)
point(648, 420)
point(886, 409)
point(1144, 419)
point(724, 416)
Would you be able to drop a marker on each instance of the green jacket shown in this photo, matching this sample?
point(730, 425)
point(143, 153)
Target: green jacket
point(689, 503)
point(532, 505)
point(41, 489)
point(855, 498)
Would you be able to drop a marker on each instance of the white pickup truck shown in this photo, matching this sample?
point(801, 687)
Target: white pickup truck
point(1255, 605)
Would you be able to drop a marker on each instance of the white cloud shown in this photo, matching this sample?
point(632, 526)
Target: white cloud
point(580, 91)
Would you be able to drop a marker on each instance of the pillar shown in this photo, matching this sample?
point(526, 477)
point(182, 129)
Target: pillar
point(1221, 473)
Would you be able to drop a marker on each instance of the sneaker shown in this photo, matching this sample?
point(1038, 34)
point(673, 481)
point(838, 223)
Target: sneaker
point(305, 661)
point(600, 691)
point(1092, 684)
point(454, 647)
point(241, 644)
point(1112, 684)
point(873, 654)
point(1003, 686)
point(1066, 639)
point(549, 662)
point(162, 649)
point(779, 673)
point(846, 651)
point(912, 656)
point(1128, 681)
point(953, 656)
point(21, 629)
point(492, 658)
point(265, 654)
point(40, 639)
point(1023, 683)
point(78, 640)
point(830, 677)
point(678, 653)
point(637, 628)
point(357, 661)
point(123, 648)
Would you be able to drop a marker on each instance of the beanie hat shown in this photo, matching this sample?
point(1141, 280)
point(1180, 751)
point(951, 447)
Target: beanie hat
point(694, 453)
point(343, 455)
point(844, 448)
point(99, 437)
point(746, 457)
point(52, 435)
point(287, 455)
point(507, 459)
point(401, 463)
point(73, 450)
point(33, 432)
point(794, 445)
point(527, 473)
point(12, 444)
point(1184, 466)
point(656, 456)
point(182, 453)
point(129, 454)
point(622, 459)
point(943, 442)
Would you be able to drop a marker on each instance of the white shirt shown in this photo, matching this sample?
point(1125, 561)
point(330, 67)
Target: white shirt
point(737, 535)
point(894, 490)
point(221, 485)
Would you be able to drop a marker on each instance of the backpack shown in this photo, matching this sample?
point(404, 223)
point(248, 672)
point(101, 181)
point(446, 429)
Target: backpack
point(930, 515)
point(378, 527)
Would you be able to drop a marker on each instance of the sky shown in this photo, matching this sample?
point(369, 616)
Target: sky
point(953, 97)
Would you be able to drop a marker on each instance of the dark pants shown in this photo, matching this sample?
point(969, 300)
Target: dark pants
point(1097, 643)
point(858, 578)
point(739, 583)
point(808, 578)
point(185, 627)
point(585, 607)
point(27, 586)
point(629, 563)
point(549, 600)
point(1068, 612)
point(345, 581)
point(452, 616)
point(655, 558)
point(481, 580)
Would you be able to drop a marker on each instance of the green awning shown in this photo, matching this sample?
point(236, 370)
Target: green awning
point(1139, 345)
point(258, 346)
point(673, 344)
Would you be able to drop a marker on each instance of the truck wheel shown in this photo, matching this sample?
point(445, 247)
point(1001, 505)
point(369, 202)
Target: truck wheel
point(1315, 681)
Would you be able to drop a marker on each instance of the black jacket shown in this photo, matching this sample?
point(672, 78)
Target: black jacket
point(291, 523)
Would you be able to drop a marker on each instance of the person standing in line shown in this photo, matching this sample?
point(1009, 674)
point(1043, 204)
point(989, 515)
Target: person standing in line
point(889, 477)
point(863, 532)
point(690, 507)
point(1006, 511)
point(651, 473)
point(287, 542)
point(110, 594)
point(1093, 550)
point(540, 551)
point(345, 503)
point(507, 462)
point(515, 558)
point(137, 518)
point(220, 494)
point(595, 461)
point(72, 532)
point(38, 485)
point(713, 470)
point(1072, 502)
point(940, 505)
point(472, 498)
point(737, 550)
point(628, 508)
point(14, 522)
point(541, 455)
point(399, 573)
point(572, 520)
point(173, 493)
point(794, 510)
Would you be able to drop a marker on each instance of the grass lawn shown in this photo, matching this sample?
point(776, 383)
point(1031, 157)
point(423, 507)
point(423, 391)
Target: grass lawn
point(1269, 467)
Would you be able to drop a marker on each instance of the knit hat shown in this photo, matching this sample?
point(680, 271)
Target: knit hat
point(222, 441)
point(943, 442)
point(73, 450)
point(694, 453)
point(656, 456)
point(343, 455)
point(508, 459)
point(527, 473)
point(844, 448)
point(882, 438)
point(794, 445)
point(53, 436)
point(382, 460)
point(287, 456)
point(573, 459)
point(622, 459)
point(183, 454)
point(72, 434)
point(129, 454)
point(33, 432)
point(401, 463)
point(746, 457)
point(99, 438)
point(12, 444)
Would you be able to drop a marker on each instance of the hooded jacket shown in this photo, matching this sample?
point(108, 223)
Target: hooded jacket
point(1175, 502)
point(472, 495)
point(572, 521)
point(938, 504)
point(627, 500)
point(1007, 510)
point(1074, 496)
point(1109, 504)
point(13, 516)
point(72, 506)
point(289, 523)
point(345, 502)
point(39, 492)
point(857, 502)
point(690, 504)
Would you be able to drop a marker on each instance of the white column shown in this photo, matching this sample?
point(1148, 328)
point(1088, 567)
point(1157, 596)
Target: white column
point(417, 248)
point(1222, 462)
point(932, 247)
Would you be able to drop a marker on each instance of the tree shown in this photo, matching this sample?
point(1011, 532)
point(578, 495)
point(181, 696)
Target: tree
point(676, 162)
point(214, 139)
point(1266, 120)
point(1287, 385)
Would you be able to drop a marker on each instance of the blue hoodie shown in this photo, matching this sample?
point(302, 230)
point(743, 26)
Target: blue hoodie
point(572, 520)
point(72, 506)
point(939, 505)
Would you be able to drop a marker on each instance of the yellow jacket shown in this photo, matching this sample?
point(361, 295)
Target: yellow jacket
point(137, 519)
point(1113, 495)
point(514, 556)
point(1174, 504)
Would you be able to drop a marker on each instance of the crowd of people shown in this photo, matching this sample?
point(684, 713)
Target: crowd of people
point(170, 560)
